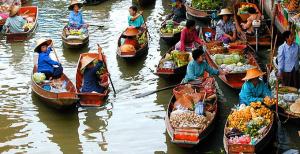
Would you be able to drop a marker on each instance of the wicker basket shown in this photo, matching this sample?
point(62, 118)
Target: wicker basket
point(237, 49)
point(213, 43)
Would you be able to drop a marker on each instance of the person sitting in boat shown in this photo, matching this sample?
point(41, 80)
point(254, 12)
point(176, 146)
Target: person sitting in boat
point(90, 77)
point(14, 23)
point(253, 16)
point(225, 29)
point(75, 16)
point(52, 69)
point(254, 89)
point(198, 66)
point(179, 11)
point(135, 19)
point(288, 60)
point(130, 36)
point(188, 37)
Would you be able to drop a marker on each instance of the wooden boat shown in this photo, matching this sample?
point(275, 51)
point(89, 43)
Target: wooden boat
point(25, 11)
point(233, 80)
point(246, 148)
point(198, 14)
point(264, 40)
point(170, 72)
point(92, 2)
point(143, 3)
point(132, 55)
point(59, 100)
point(169, 38)
point(89, 99)
point(189, 137)
point(76, 41)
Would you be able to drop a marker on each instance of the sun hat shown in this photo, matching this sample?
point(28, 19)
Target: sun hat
point(85, 61)
point(225, 12)
point(253, 73)
point(74, 2)
point(40, 42)
point(14, 10)
point(295, 107)
point(131, 31)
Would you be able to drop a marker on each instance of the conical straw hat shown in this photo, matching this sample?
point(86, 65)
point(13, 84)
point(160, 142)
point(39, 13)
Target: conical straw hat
point(74, 2)
point(85, 61)
point(41, 41)
point(225, 12)
point(14, 10)
point(253, 73)
point(131, 31)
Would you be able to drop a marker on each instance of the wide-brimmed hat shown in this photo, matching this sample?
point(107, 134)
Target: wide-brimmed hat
point(85, 61)
point(74, 2)
point(40, 42)
point(225, 12)
point(131, 31)
point(14, 10)
point(253, 73)
point(295, 107)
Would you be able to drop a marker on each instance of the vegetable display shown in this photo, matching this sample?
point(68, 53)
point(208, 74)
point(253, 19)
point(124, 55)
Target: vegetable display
point(206, 4)
point(143, 38)
point(175, 59)
point(171, 28)
point(39, 77)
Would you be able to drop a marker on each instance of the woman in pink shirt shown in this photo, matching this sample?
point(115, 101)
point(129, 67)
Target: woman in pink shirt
point(188, 37)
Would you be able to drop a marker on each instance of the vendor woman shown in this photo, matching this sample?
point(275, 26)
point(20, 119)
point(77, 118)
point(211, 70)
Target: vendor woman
point(91, 81)
point(189, 37)
point(198, 66)
point(225, 29)
point(253, 89)
point(14, 23)
point(52, 69)
point(75, 16)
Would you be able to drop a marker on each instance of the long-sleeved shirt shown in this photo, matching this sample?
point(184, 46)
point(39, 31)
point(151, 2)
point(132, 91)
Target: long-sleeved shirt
point(91, 80)
point(250, 93)
point(75, 20)
point(15, 24)
point(224, 28)
point(288, 57)
point(188, 37)
point(138, 22)
point(179, 14)
point(196, 70)
point(45, 63)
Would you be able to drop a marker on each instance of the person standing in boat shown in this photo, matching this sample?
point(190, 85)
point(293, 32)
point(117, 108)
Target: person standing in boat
point(254, 89)
point(91, 81)
point(253, 16)
point(14, 23)
point(135, 19)
point(225, 29)
point(179, 11)
point(75, 17)
point(189, 37)
point(198, 66)
point(288, 60)
point(52, 69)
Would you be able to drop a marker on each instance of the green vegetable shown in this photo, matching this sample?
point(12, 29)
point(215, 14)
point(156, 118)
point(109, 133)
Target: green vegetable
point(206, 4)
point(39, 77)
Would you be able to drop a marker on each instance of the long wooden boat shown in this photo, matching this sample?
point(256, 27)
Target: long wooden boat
point(190, 137)
point(76, 41)
point(133, 55)
point(89, 99)
point(264, 40)
point(169, 38)
point(170, 72)
point(284, 115)
point(143, 3)
point(233, 80)
point(247, 148)
point(59, 100)
point(25, 11)
point(198, 14)
point(93, 2)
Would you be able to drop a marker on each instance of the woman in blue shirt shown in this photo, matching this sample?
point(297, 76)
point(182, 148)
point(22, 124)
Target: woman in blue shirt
point(52, 69)
point(135, 19)
point(254, 89)
point(198, 66)
point(75, 17)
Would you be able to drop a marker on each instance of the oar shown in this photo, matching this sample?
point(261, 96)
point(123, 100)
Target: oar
point(112, 85)
point(162, 89)
point(55, 53)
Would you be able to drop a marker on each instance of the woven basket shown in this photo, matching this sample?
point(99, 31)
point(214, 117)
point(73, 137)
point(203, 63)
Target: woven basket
point(237, 49)
point(213, 43)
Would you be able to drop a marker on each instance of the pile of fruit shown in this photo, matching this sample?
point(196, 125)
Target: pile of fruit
point(28, 25)
point(142, 39)
point(39, 77)
point(244, 8)
point(170, 28)
point(292, 5)
point(176, 58)
point(206, 4)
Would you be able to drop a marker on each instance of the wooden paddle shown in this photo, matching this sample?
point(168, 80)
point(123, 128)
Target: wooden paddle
point(196, 82)
point(55, 53)
point(101, 54)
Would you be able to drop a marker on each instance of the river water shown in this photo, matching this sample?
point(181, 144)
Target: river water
point(125, 124)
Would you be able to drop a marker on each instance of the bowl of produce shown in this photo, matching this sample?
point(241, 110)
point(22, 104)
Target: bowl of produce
point(237, 49)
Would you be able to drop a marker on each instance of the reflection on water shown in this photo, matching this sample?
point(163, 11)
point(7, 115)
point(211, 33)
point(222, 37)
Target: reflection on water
point(125, 124)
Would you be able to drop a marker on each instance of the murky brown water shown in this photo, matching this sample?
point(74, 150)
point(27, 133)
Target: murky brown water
point(125, 124)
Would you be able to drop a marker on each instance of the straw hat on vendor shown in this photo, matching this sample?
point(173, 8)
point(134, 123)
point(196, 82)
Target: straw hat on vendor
point(131, 31)
point(252, 74)
point(14, 10)
point(40, 42)
point(225, 11)
point(85, 61)
point(73, 3)
point(295, 107)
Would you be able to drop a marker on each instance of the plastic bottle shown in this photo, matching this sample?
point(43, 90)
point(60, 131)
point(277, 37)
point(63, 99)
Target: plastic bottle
point(199, 108)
